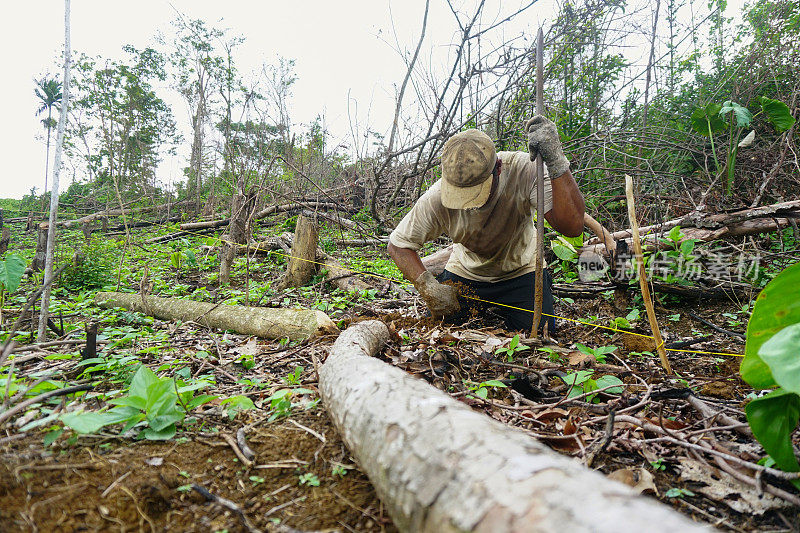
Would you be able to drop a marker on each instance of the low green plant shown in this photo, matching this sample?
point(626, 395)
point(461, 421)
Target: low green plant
point(582, 382)
point(236, 404)
point(309, 479)
point(675, 492)
point(481, 390)
point(771, 362)
point(156, 404)
point(514, 346)
point(281, 403)
point(91, 269)
point(598, 353)
point(658, 464)
point(293, 378)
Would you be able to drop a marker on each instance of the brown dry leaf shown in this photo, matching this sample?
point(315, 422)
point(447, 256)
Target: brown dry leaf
point(251, 347)
point(667, 423)
point(561, 443)
point(448, 337)
point(724, 488)
point(581, 359)
point(552, 414)
point(639, 478)
point(570, 428)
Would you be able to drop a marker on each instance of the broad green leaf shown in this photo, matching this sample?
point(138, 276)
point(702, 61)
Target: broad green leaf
point(605, 349)
point(687, 247)
point(130, 401)
point(494, 383)
point(742, 114)
point(197, 401)
point(777, 113)
point(164, 434)
point(51, 436)
point(161, 397)
point(142, 380)
point(608, 381)
point(562, 252)
point(777, 306)
point(773, 418)
point(675, 234)
point(87, 421)
point(781, 353)
point(706, 120)
point(165, 419)
point(584, 349)
point(11, 271)
point(577, 378)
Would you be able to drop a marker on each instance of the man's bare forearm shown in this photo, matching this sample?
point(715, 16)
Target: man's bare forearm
point(407, 260)
point(566, 217)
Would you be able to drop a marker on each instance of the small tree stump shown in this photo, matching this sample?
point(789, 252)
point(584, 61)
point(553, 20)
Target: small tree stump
point(41, 248)
point(5, 238)
point(302, 262)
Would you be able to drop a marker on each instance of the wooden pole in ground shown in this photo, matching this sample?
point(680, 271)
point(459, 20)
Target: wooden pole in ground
point(438, 466)
point(539, 288)
point(648, 300)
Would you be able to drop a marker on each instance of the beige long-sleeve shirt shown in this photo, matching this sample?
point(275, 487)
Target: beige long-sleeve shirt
point(495, 242)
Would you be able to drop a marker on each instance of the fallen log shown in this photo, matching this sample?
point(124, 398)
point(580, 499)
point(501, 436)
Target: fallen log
point(271, 210)
point(108, 213)
point(269, 323)
point(439, 466)
point(709, 227)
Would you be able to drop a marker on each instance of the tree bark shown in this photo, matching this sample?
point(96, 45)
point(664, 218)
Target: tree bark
point(302, 261)
point(238, 233)
point(51, 233)
point(41, 248)
point(439, 466)
point(5, 239)
point(269, 323)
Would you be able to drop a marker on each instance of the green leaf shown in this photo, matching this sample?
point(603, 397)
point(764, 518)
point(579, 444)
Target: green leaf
point(165, 433)
point(584, 349)
point(777, 113)
point(781, 353)
point(777, 307)
point(482, 392)
point(494, 383)
point(514, 342)
point(706, 120)
point(197, 401)
point(87, 421)
point(742, 114)
point(675, 234)
point(773, 418)
point(577, 378)
point(562, 251)
point(609, 381)
point(142, 380)
point(11, 271)
point(687, 247)
point(51, 436)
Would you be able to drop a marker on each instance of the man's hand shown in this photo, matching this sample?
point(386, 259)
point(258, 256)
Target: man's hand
point(543, 139)
point(442, 300)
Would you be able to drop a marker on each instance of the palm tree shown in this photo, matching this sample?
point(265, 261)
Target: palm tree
point(49, 94)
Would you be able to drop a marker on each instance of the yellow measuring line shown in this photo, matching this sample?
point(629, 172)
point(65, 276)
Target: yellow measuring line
point(404, 282)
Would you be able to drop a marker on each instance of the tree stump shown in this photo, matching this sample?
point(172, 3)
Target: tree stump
point(238, 233)
point(41, 248)
point(302, 261)
point(5, 239)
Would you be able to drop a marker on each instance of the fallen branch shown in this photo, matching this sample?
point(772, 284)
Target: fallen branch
point(270, 323)
point(484, 476)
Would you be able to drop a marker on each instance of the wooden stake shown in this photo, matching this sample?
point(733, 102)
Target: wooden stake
point(539, 287)
point(648, 300)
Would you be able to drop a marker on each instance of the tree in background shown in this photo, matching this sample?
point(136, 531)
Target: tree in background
point(48, 91)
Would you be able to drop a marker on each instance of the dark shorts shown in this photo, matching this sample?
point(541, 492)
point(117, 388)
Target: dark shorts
point(516, 292)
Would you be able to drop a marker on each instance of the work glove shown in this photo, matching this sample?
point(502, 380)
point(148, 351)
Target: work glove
point(442, 300)
point(543, 139)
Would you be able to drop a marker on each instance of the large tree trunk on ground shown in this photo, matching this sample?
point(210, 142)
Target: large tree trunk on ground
point(439, 466)
point(302, 261)
point(297, 324)
point(341, 276)
point(437, 260)
point(108, 213)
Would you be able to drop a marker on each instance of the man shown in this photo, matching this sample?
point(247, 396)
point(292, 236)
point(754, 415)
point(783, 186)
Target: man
point(485, 202)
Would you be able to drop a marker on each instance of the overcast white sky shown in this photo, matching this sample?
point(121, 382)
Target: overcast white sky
point(338, 47)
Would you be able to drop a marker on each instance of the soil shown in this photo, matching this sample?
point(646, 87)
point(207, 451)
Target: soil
point(109, 484)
